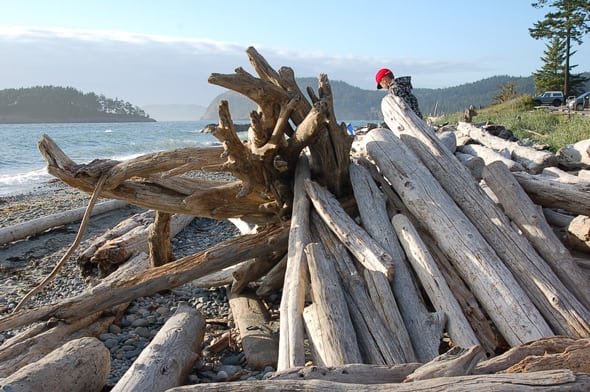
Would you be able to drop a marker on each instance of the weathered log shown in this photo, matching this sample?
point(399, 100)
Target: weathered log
point(251, 271)
point(448, 139)
point(557, 218)
point(117, 250)
point(489, 155)
point(335, 340)
point(544, 381)
point(79, 365)
point(166, 361)
point(422, 330)
point(530, 219)
point(273, 280)
point(531, 350)
point(259, 343)
point(366, 250)
point(562, 176)
point(565, 315)
point(480, 267)
point(159, 245)
point(291, 350)
point(574, 357)
point(377, 343)
point(473, 163)
point(39, 225)
point(351, 374)
point(574, 198)
point(457, 361)
point(197, 197)
point(271, 239)
point(533, 160)
point(434, 283)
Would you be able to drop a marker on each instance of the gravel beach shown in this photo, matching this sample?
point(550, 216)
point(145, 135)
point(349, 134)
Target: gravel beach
point(24, 264)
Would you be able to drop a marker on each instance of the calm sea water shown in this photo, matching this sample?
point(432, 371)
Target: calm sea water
point(22, 168)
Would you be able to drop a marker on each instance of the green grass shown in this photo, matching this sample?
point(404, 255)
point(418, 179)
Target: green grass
point(554, 129)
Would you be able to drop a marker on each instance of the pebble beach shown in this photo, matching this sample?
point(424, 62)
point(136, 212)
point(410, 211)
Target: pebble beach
point(24, 264)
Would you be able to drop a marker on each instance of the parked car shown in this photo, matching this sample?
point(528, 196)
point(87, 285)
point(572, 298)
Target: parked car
point(580, 102)
point(554, 98)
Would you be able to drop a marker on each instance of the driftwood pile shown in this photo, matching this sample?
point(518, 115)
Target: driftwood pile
point(410, 260)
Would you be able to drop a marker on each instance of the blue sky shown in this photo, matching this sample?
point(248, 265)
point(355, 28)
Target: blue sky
point(150, 52)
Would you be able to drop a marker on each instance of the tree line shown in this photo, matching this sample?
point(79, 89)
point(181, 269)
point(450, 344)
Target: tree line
point(48, 104)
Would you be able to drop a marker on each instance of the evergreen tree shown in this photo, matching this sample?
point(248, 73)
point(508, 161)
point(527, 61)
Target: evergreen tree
point(551, 76)
point(569, 22)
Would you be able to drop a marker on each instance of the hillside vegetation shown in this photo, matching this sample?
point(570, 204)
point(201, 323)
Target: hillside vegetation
point(50, 104)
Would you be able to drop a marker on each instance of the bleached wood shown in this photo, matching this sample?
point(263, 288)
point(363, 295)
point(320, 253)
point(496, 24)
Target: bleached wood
point(273, 280)
point(259, 345)
point(337, 344)
point(578, 233)
point(544, 381)
point(534, 161)
point(549, 193)
point(166, 361)
point(576, 155)
point(514, 250)
point(434, 283)
point(376, 342)
point(557, 174)
point(557, 218)
point(419, 332)
point(473, 163)
point(564, 273)
point(489, 155)
point(291, 350)
point(39, 225)
point(80, 365)
point(356, 373)
point(506, 303)
point(448, 139)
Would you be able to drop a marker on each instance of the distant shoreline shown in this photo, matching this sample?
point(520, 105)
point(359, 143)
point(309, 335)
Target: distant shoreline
point(77, 121)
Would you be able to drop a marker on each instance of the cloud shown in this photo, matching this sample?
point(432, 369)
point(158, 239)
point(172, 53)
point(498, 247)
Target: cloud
point(152, 69)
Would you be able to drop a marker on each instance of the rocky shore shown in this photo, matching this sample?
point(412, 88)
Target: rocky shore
point(23, 264)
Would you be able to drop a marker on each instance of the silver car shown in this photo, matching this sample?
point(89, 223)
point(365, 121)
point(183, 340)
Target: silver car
point(580, 102)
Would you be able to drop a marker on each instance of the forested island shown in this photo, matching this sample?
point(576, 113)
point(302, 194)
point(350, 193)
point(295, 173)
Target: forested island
point(51, 104)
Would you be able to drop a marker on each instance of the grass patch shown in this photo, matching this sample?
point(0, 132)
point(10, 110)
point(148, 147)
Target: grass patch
point(554, 129)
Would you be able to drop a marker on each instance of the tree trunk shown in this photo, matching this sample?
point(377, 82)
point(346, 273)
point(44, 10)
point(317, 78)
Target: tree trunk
point(80, 365)
point(336, 339)
point(492, 283)
point(529, 218)
point(39, 225)
point(159, 235)
point(259, 344)
point(545, 381)
point(166, 361)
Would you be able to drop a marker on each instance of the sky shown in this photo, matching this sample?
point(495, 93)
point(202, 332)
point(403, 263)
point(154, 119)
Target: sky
point(162, 52)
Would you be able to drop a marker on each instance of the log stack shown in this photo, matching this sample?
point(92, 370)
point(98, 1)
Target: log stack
point(401, 266)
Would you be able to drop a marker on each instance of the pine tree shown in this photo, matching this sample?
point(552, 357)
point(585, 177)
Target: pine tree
point(569, 22)
point(551, 76)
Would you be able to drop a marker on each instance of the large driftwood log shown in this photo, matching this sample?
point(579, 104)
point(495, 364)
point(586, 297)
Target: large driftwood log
point(545, 381)
point(457, 361)
point(434, 283)
point(352, 374)
point(566, 315)
point(546, 192)
point(423, 328)
point(538, 350)
point(578, 233)
point(39, 225)
point(480, 267)
point(166, 361)
point(489, 155)
point(79, 365)
point(335, 338)
point(271, 239)
point(530, 219)
point(376, 341)
point(291, 350)
point(259, 343)
point(575, 156)
point(534, 161)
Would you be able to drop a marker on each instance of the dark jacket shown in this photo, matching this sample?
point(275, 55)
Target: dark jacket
point(402, 87)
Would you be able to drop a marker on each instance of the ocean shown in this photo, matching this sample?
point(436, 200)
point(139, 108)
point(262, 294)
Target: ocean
point(22, 168)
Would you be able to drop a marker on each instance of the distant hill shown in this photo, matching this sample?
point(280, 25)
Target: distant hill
point(175, 112)
point(353, 103)
point(50, 104)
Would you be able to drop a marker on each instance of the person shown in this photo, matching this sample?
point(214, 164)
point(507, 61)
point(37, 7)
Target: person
point(400, 87)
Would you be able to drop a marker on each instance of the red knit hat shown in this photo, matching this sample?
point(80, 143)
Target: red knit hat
point(381, 74)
